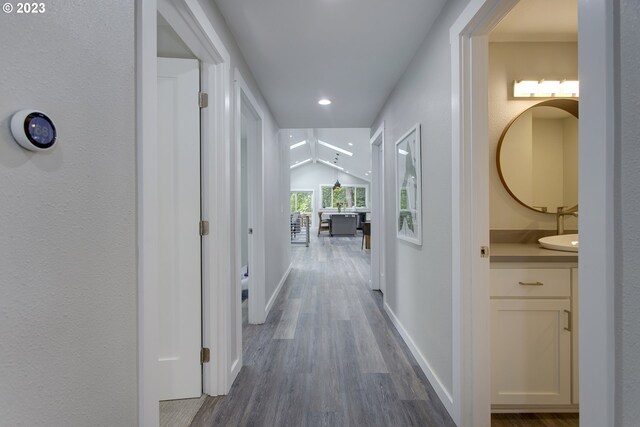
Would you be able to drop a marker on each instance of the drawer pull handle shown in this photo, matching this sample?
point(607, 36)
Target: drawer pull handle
point(569, 326)
point(531, 283)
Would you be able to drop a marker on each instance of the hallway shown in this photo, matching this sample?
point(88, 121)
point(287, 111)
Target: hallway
point(327, 354)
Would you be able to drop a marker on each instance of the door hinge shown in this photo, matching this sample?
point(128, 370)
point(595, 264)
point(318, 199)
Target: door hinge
point(205, 355)
point(204, 228)
point(203, 99)
point(484, 251)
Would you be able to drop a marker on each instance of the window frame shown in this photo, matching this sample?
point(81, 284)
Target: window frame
point(354, 186)
point(302, 191)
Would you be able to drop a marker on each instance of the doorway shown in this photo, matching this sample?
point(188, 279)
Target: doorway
point(192, 26)
point(249, 209)
point(377, 212)
point(470, 273)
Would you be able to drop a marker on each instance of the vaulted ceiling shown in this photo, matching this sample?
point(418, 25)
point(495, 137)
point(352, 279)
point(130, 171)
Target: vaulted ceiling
point(344, 149)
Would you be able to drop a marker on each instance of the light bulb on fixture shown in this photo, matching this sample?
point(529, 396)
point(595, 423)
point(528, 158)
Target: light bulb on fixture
point(324, 101)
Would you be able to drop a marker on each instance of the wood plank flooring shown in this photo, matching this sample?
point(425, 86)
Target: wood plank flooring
point(327, 354)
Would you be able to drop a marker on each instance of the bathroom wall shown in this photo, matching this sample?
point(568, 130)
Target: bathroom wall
point(627, 201)
point(509, 61)
point(68, 329)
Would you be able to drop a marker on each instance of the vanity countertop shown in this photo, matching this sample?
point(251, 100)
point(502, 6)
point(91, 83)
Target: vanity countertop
point(528, 252)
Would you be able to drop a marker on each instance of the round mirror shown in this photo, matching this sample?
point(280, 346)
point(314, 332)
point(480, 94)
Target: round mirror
point(537, 156)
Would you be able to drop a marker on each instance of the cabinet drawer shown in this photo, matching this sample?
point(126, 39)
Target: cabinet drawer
point(531, 282)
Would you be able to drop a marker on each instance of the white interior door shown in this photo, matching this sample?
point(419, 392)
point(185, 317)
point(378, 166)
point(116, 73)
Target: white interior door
point(180, 308)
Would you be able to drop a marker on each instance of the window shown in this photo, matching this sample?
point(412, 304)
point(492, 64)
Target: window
point(350, 196)
point(300, 201)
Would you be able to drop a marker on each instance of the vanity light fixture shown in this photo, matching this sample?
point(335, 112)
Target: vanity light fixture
point(300, 163)
point(324, 101)
point(298, 144)
point(333, 147)
point(331, 164)
point(546, 89)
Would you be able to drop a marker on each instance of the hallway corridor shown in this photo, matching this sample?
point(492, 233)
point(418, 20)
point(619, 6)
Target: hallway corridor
point(327, 354)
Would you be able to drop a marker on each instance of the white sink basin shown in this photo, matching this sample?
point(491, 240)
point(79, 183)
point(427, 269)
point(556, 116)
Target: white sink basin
point(563, 242)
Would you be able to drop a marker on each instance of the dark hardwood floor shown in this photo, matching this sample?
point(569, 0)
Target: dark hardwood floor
point(535, 420)
point(327, 354)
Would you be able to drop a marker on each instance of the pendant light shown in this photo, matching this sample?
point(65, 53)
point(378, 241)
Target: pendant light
point(335, 162)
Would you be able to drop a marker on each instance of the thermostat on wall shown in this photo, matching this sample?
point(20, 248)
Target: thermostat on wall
point(33, 130)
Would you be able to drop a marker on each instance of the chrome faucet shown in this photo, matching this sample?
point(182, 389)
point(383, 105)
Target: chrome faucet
point(561, 213)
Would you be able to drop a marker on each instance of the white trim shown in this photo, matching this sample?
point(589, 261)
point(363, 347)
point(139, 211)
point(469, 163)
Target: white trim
point(470, 210)
point(189, 20)
point(438, 386)
point(378, 252)
point(273, 298)
point(597, 124)
point(255, 185)
point(147, 217)
point(598, 109)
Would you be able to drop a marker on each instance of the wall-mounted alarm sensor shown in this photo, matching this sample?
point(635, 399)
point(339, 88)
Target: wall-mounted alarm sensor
point(33, 130)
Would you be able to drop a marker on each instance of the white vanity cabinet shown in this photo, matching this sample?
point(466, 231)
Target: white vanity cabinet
point(532, 336)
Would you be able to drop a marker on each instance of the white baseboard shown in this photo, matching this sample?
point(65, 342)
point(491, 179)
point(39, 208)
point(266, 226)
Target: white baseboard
point(273, 298)
point(437, 385)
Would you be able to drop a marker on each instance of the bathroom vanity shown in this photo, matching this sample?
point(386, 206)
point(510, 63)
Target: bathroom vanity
point(534, 329)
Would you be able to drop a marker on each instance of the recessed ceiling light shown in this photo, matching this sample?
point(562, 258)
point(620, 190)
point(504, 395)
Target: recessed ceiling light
point(351, 143)
point(403, 152)
point(369, 171)
point(366, 174)
point(333, 147)
point(290, 136)
point(298, 144)
point(324, 101)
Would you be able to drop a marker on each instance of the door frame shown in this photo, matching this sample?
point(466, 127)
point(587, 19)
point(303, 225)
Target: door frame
point(378, 270)
point(246, 101)
point(189, 20)
point(471, 352)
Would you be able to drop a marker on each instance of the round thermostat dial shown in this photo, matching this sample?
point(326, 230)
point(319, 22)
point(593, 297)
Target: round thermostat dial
point(33, 130)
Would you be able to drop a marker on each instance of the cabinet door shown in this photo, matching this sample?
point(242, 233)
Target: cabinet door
point(531, 352)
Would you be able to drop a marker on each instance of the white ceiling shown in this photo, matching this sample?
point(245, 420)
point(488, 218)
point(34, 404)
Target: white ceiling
point(350, 51)
point(539, 21)
point(357, 165)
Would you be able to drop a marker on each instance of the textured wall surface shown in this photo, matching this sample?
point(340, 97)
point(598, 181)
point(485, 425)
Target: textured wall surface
point(419, 277)
point(520, 61)
point(628, 279)
point(276, 161)
point(67, 219)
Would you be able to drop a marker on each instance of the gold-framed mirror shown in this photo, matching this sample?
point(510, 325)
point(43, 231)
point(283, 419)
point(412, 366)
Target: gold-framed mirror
point(537, 156)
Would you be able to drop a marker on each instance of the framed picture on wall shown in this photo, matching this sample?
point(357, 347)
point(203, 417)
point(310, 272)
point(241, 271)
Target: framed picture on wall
point(409, 187)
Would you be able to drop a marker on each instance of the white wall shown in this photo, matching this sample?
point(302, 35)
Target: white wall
point(419, 278)
point(276, 164)
point(312, 175)
point(68, 351)
point(627, 305)
point(520, 61)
